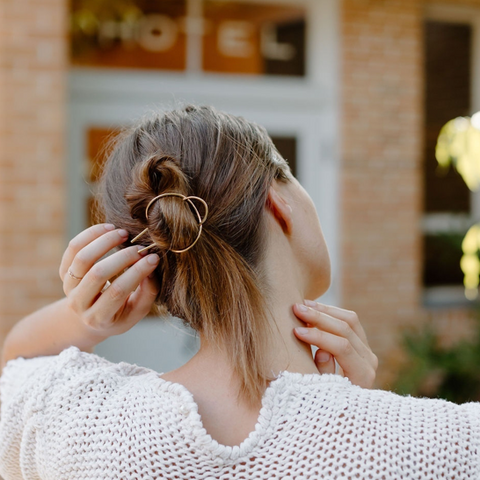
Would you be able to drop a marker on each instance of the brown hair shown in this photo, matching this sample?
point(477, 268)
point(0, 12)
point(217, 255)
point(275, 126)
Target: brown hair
point(216, 286)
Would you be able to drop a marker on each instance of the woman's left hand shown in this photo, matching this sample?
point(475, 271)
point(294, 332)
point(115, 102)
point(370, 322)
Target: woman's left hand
point(339, 336)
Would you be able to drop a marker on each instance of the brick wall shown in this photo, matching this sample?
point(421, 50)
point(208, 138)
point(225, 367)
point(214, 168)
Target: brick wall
point(33, 64)
point(382, 201)
point(381, 170)
point(380, 180)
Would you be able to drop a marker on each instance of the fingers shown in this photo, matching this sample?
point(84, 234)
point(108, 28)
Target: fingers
point(112, 305)
point(333, 325)
point(324, 361)
point(346, 315)
point(356, 368)
point(86, 291)
point(127, 299)
point(336, 336)
point(79, 242)
point(141, 301)
point(86, 258)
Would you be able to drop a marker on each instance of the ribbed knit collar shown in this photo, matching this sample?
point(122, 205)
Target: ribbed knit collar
point(275, 403)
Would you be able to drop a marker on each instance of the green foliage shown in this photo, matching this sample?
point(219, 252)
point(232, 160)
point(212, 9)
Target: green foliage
point(434, 371)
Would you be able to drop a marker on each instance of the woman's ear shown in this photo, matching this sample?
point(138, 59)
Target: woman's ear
point(280, 209)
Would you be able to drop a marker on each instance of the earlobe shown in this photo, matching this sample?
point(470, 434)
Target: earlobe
point(281, 210)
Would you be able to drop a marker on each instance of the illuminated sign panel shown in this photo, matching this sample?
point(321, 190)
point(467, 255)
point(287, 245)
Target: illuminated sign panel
point(129, 34)
point(236, 37)
point(246, 38)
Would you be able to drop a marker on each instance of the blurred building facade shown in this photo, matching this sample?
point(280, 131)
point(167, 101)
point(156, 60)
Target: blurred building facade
point(353, 93)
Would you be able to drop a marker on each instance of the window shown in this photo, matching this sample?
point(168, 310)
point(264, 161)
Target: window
point(447, 200)
point(287, 147)
point(96, 141)
point(209, 35)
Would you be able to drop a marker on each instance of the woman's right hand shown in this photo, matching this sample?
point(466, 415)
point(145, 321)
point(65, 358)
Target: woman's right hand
point(107, 309)
point(338, 335)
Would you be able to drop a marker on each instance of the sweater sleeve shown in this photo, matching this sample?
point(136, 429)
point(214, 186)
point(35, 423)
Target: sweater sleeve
point(25, 386)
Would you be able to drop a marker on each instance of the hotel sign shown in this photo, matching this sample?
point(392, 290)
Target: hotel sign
point(235, 37)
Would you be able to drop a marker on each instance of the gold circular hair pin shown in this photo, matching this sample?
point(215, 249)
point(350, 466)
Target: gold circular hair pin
point(189, 199)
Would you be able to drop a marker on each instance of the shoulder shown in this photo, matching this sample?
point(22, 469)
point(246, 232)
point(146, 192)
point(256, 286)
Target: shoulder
point(46, 373)
point(343, 395)
point(380, 412)
point(395, 422)
point(390, 435)
point(57, 404)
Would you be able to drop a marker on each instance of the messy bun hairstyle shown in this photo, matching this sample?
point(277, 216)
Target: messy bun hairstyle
point(216, 286)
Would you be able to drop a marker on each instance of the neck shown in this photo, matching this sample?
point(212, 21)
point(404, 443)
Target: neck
point(211, 369)
point(285, 351)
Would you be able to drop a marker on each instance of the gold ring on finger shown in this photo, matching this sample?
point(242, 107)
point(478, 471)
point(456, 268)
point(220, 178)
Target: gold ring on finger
point(74, 276)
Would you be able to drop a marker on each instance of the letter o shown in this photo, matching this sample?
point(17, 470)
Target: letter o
point(157, 42)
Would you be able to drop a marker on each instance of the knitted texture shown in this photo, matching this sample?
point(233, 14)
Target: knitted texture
point(78, 416)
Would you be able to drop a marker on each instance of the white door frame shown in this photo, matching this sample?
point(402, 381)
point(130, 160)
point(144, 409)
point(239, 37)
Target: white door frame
point(307, 108)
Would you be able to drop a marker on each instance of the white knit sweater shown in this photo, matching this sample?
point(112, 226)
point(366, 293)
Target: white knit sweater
point(78, 416)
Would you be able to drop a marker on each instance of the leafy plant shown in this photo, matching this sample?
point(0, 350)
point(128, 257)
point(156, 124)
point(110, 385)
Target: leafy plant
point(435, 371)
point(458, 144)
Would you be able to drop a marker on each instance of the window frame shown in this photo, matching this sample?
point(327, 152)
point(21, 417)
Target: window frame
point(451, 296)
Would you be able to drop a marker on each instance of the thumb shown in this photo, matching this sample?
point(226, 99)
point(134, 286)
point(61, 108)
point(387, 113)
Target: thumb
point(141, 300)
point(324, 361)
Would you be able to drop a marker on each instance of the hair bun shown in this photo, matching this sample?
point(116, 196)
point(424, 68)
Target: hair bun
point(172, 222)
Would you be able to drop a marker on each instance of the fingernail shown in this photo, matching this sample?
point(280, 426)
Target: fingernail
point(323, 357)
point(302, 307)
point(109, 226)
point(310, 303)
point(123, 233)
point(153, 259)
point(302, 330)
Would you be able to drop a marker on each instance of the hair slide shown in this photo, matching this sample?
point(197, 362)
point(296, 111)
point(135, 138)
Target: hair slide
point(201, 220)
